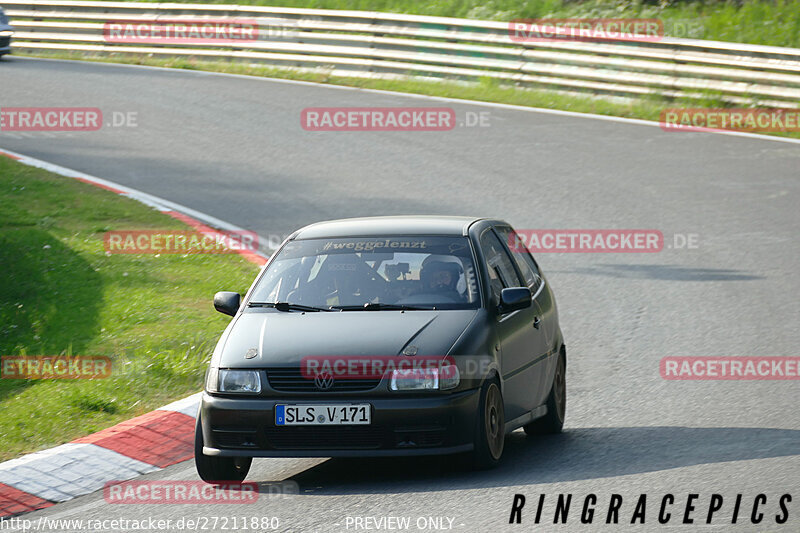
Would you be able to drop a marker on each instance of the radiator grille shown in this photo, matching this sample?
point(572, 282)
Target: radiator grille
point(292, 380)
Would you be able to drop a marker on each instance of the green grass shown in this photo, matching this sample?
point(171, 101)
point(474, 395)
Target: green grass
point(486, 90)
point(770, 22)
point(60, 293)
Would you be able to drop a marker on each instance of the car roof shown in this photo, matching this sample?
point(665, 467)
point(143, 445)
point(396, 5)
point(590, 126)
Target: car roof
point(388, 225)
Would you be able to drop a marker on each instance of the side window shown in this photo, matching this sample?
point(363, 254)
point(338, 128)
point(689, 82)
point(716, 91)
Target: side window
point(498, 264)
point(522, 257)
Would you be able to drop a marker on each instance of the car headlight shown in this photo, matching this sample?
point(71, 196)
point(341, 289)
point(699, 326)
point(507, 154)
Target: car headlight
point(226, 380)
point(212, 379)
point(443, 378)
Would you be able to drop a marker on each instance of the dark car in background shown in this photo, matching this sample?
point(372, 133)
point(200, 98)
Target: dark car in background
point(6, 31)
point(460, 329)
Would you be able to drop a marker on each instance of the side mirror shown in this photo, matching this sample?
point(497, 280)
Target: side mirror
point(514, 298)
point(227, 302)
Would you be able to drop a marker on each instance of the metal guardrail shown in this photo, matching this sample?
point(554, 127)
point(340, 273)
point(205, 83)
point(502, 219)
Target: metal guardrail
point(361, 43)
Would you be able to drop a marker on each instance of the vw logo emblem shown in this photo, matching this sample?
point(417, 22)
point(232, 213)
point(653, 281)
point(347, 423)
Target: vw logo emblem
point(323, 381)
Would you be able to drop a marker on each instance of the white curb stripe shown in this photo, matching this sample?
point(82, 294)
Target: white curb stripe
point(64, 472)
point(187, 406)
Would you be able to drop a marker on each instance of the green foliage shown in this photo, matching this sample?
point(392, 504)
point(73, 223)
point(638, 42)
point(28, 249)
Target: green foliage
point(770, 22)
point(61, 294)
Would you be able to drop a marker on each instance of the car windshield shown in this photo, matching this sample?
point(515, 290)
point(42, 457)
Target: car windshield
point(372, 273)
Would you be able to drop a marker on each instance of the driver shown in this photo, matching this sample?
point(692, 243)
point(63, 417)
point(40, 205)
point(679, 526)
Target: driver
point(338, 281)
point(344, 276)
point(439, 275)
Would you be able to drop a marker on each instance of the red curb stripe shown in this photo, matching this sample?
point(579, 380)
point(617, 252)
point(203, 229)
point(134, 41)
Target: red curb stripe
point(199, 226)
point(15, 158)
point(14, 501)
point(106, 187)
point(159, 438)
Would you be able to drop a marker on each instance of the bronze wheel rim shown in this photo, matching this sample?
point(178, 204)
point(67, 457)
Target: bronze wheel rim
point(494, 421)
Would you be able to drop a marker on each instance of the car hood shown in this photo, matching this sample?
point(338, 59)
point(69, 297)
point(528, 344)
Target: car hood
point(282, 338)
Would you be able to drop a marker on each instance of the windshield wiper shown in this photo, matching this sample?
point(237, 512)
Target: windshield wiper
point(286, 306)
point(382, 307)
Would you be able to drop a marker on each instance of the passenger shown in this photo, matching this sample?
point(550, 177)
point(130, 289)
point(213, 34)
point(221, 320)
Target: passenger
point(440, 277)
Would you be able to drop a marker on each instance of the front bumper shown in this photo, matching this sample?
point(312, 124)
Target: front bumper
point(418, 425)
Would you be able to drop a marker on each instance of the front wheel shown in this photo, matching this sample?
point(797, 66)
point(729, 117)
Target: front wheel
point(490, 434)
point(213, 469)
point(553, 421)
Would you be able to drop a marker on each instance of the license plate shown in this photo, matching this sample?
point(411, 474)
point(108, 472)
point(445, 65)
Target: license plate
point(323, 415)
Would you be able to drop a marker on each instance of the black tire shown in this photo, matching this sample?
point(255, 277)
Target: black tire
point(490, 431)
point(216, 470)
point(553, 421)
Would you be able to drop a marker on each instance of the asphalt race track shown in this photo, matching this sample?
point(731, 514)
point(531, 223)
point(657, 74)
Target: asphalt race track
point(233, 147)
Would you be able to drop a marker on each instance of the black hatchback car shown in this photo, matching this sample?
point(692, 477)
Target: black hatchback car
point(6, 31)
point(384, 336)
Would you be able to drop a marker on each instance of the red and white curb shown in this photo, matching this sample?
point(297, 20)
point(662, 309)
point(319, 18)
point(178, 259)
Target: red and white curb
point(137, 446)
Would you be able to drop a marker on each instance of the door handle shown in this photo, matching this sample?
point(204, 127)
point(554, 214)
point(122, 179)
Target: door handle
point(536, 322)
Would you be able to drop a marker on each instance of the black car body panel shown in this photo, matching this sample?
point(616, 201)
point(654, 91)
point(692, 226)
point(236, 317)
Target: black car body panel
point(275, 334)
point(518, 348)
point(408, 425)
point(6, 31)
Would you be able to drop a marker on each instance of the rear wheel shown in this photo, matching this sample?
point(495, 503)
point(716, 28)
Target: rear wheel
point(553, 421)
point(490, 434)
point(213, 469)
